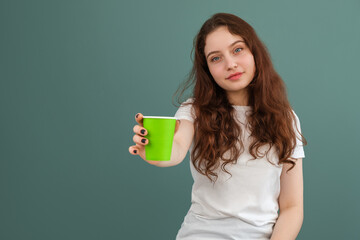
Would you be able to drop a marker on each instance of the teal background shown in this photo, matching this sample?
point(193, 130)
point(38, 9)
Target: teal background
point(74, 74)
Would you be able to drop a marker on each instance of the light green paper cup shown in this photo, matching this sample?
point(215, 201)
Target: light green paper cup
point(161, 135)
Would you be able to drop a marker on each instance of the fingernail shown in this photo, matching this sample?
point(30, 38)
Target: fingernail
point(135, 151)
point(143, 140)
point(142, 131)
point(137, 115)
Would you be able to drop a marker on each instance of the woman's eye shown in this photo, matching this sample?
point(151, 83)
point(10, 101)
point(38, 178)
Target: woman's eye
point(213, 59)
point(237, 49)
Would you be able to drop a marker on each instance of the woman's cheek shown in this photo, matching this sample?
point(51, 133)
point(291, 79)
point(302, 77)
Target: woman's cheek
point(212, 71)
point(215, 71)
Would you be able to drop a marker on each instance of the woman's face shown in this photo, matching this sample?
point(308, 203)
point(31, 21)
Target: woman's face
point(227, 54)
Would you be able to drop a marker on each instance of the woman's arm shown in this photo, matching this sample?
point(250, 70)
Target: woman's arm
point(291, 215)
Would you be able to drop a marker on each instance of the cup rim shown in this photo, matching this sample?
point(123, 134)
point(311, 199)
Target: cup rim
point(160, 117)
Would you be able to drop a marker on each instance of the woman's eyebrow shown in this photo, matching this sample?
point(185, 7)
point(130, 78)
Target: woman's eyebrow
point(229, 46)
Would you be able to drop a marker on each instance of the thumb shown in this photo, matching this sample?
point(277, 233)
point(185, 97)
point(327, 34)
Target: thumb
point(177, 125)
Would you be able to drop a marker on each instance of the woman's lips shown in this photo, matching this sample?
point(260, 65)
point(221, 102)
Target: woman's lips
point(235, 77)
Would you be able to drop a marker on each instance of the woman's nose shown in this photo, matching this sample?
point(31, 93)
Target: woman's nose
point(231, 64)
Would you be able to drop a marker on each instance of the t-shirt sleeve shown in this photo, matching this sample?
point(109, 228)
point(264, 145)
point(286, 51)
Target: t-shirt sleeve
point(185, 111)
point(299, 149)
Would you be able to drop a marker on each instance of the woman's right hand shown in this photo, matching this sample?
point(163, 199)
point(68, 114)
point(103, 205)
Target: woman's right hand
point(140, 139)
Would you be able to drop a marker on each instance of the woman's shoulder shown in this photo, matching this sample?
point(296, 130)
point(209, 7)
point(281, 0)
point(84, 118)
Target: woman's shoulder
point(186, 111)
point(187, 103)
point(295, 115)
point(189, 100)
point(295, 120)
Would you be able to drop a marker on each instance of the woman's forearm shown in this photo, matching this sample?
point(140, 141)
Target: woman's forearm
point(288, 224)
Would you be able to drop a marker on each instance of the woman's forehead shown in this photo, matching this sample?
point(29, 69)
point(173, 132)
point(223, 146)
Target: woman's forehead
point(219, 39)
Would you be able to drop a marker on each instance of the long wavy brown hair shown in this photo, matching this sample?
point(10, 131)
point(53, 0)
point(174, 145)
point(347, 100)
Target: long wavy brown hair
point(216, 129)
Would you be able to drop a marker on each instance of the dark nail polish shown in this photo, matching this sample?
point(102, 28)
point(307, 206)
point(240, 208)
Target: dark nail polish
point(142, 131)
point(137, 115)
point(143, 140)
point(135, 151)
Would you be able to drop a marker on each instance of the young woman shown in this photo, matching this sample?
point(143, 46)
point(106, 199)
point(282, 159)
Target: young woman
point(244, 138)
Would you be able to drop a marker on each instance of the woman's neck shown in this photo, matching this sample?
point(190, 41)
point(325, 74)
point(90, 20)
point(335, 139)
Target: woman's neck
point(239, 98)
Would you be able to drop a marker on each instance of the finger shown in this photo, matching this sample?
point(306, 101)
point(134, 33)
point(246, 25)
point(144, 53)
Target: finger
point(140, 140)
point(139, 118)
point(133, 150)
point(141, 151)
point(139, 130)
point(137, 150)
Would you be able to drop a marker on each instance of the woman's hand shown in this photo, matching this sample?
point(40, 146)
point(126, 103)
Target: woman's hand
point(140, 139)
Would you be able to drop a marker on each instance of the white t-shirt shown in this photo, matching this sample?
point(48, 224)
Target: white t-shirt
point(244, 206)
